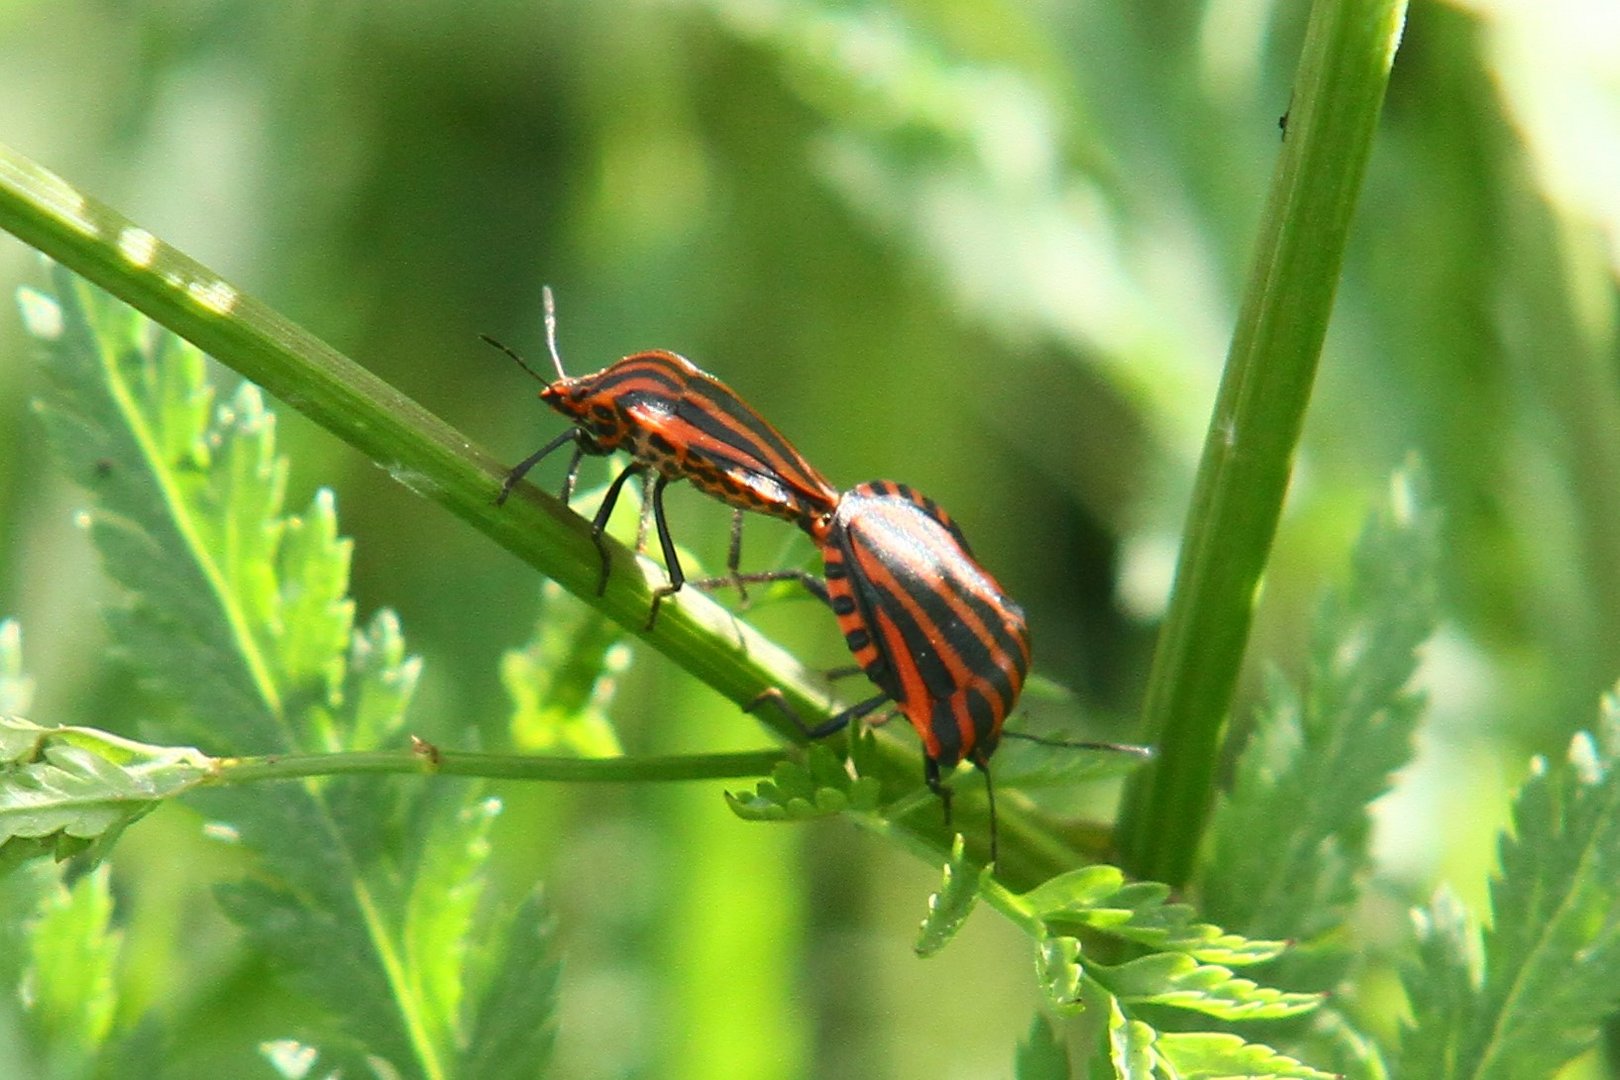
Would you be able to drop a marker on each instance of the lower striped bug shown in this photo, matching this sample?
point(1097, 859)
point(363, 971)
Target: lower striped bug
point(677, 422)
point(945, 645)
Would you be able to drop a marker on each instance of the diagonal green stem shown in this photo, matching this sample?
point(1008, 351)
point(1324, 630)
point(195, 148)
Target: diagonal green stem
point(441, 464)
point(416, 447)
point(1249, 451)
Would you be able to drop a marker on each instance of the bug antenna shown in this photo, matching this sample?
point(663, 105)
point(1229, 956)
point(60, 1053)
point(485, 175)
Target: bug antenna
point(533, 374)
point(1066, 744)
point(549, 302)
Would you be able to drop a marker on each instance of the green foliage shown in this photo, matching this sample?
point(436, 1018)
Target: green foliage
point(1179, 970)
point(1029, 765)
point(1098, 898)
point(1041, 1056)
point(1534, 996)
point(561, 680)
point(949, 908)
point(65, 790)
point(1209, 1056)
point(69, 988)
point(1058, 967)
point(1169, 978)
point(1289, 838)
point(127, 411)
point(515, 1023)
point(821, 787)
point(1179, 980)
point(1134, 1050)
point(370, 900)
point(1128, 1051)
point(990, 249)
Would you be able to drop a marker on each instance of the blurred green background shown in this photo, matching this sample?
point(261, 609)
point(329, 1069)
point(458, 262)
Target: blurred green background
point(989, 248)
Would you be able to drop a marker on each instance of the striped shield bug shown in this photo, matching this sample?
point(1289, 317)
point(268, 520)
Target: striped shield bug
point(929, 626)
point(946, 645)
point(677, 422)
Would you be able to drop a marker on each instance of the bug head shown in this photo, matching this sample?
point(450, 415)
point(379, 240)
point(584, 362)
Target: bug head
point(581, 399)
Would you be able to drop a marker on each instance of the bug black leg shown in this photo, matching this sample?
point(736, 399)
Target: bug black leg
point(823, 729)
point(599, 523)
point(812, 584)
point(931, 778)
point(521, 468)
point(572, 475)
point(647, 482)
point(672, 562)
point(981, 761)
point(734, 558)
point(815, 587)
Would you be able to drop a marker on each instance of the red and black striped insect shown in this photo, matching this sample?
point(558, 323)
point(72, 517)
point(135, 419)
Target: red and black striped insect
point(925, 621)
point(930, 627)
point(677, 422)
point(937, 634)
point(927, 624)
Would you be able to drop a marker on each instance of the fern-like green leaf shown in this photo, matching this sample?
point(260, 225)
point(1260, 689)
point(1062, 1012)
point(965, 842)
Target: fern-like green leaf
point(1291, 833)
point(1058, 970)
point(440, 914)
point(65, 789)
point(1041, 1055)
point(239, 613)
point(1441, 986)
point(1550, 955)
point(1177, 980)
point(514, 1026)
point(323, 915)
point(560, 683)
point(1186, 969)
point(1222, 1056)
point(379, 682)
point(821, 787)
point(949, 908)
point(16, 688)
point(313, 616)
point(1098, 898)
point(323, 932)
point(19, 740)
point(69, 990)
point(1131, 1047)
point(1128, 1049)
point(126, 408)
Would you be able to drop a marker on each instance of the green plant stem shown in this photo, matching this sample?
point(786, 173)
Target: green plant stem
point(413, 445)
point(1254, 431)
point(438, 462)
point(432, 761)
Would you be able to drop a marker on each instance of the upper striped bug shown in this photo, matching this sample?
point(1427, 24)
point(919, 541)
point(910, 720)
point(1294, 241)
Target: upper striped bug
point(940, 638)
point(677, 422)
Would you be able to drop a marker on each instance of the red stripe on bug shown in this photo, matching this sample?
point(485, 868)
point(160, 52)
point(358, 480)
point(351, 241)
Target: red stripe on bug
point(677, 422)
point(925, 621)
point(928, 625)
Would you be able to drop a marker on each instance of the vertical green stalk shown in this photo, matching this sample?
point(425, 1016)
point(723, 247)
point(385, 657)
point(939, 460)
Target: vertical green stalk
point(1248, 453)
